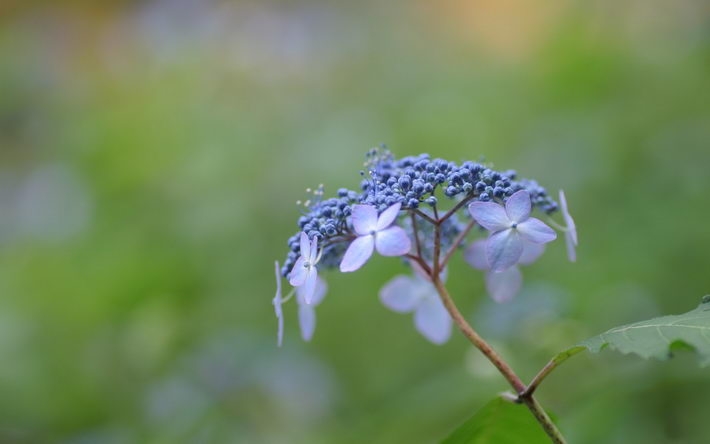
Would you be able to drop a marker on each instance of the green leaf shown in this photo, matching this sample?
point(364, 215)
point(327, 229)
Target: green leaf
point(660, 337)
point(500, 422)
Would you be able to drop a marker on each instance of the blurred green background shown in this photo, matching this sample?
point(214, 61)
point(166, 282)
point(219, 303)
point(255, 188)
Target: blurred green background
point(151, 154)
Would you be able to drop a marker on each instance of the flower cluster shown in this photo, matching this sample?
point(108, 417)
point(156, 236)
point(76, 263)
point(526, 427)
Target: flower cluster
point(420, 209)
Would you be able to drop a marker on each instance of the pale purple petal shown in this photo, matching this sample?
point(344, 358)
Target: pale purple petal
point(388, 216)
point(313, 252)
point(392, 241)
point(401, 294)
point(298, 272)
point(489, 215)
point(305, 246)
point(357, 253)
point(571, 227)
point(277, 306)
point(535, 230)
point(307, 321)
point(364, 219)
point(531, 252)
point(319, 293)
point(475, 255)
point(503, 286)
point(432, 320)
point(503, 249)
point(571, 249)
point(571, 230)
point(518, 206)
point(309, 285)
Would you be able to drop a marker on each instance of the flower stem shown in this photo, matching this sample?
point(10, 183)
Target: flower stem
point(457, 243)
point(524, 393)
point(416, 234)
point(526, 398)
point(476, 339)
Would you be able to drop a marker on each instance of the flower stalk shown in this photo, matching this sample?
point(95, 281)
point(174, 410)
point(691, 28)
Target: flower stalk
point(525, 395)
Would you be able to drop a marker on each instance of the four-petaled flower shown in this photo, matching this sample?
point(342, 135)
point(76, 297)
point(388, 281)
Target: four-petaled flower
point(504, 285)
point(374, 233)
point(306, 311)
point(304, 273)
point(509, 226)
point(405, 294)
point(570, 230)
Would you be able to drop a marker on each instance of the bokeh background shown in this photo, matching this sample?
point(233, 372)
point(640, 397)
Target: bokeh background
point(151, 154)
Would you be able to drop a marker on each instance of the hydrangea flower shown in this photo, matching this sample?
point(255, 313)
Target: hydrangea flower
point(344, 230)
point(406, 294)
point(412, 181)
point(306, 311)
point(374, 232)
point(509, 226)
point(305, 273)
point(570, 229)
point(504, 285)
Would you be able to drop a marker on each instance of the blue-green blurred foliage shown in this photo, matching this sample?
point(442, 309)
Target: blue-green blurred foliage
point(151, 154)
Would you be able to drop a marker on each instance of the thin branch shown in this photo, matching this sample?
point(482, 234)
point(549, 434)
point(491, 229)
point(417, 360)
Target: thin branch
point(453, 211)
point(477, 340)
point(462, 235)
point(437, 252)
point(544, 419)
point(493, 356)
point(425, 216)
point(422, 263)
point(416, 234)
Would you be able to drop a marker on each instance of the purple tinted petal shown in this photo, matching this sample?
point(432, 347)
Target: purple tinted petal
point(432, 320)
point(364, 219)
point(393, 241)
point(305, 246)
point(277, 306)
point(531, 252)
point(388, 216)
point(489, 215)
point(298, 272)
point(503, 249)
point(308, 288)
point(505, 285)
point(535, 230)
point(307, 321)
point(319, 293)
point(571, 249)
point(400, 294)
point(314, 251)
point(518, 206)
point(475, 255)
point(571, 227)
point(357, 253)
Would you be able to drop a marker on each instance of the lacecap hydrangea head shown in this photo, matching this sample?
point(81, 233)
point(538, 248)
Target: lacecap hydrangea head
point(420, 209)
